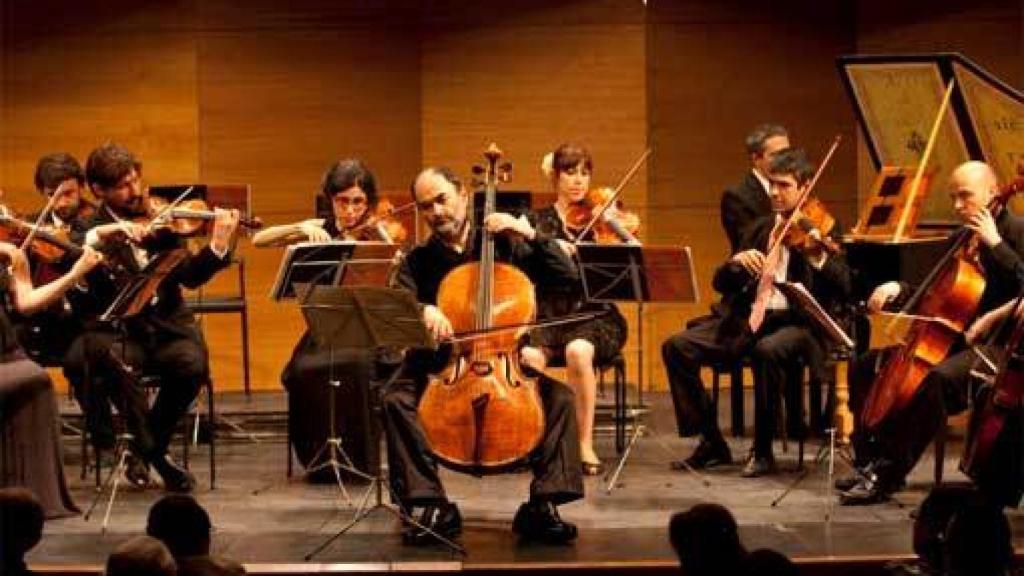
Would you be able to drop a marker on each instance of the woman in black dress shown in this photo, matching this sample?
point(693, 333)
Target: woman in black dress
point(30, 451)
point(351, 189)
point(581, 345)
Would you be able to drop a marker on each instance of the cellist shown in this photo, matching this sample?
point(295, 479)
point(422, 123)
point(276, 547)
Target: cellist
point(557, 475)
point(887, 454)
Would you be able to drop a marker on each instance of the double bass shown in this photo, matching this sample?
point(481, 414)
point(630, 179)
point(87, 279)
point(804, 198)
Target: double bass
point(941, 309)
point(481, 413)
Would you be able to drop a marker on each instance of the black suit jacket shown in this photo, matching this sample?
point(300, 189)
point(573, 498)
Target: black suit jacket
point(742, 206)
point(830, 285)
point(167, 314)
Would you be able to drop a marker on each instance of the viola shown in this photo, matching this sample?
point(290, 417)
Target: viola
point(611, 224)
point(185, 218)
point(812, 216)
point(381, 225)
point(481, 413)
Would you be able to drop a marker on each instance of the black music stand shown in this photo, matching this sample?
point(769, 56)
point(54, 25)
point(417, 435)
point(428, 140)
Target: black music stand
point(377, 318)
point(639, 274)
point(797, 294)
point(133, 297)
point(305, 267)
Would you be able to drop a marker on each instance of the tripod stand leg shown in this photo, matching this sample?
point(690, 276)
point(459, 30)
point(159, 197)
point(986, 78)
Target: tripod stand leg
point(610, 485)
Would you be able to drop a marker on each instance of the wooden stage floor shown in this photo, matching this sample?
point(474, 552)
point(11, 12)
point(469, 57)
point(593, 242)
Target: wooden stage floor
point(626, 527)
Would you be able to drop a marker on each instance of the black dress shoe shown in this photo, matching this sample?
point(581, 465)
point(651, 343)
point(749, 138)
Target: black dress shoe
point(136, 471)
point(758, 466)
point(442, 519)
point(870, 490)
point(706, 455)
point(540, 522)
point(176, 478)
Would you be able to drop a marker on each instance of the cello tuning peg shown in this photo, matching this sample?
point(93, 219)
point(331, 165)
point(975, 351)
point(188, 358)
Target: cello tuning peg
point(478, 170)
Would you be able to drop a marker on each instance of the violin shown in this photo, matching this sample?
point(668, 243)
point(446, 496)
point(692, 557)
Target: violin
point(611, 224)
point(482, 414)
point(185, 218)
point(47, 245)
point(812, 216)
point(381, 225)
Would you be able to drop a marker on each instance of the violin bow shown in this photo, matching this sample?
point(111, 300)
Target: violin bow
point(27, 241)
point(919, 174)
point(615, 194)
point(160, 216)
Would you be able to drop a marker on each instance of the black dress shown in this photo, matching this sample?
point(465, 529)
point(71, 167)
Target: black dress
point(30, 450)
point(607, 332)
point(307, 377)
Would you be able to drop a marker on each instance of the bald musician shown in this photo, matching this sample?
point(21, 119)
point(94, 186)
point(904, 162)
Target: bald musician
point(889, 453)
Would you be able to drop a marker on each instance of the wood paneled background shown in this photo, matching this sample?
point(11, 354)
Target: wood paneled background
point(269, 94)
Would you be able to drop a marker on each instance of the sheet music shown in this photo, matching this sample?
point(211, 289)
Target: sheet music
point(796, 292)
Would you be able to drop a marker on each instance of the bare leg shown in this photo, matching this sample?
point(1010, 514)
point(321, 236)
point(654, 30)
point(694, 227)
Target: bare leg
point(533, 358)
point(579, 361)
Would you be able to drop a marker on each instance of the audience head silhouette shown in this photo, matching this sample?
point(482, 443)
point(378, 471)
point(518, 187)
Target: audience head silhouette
point(765, 562)
point(978, 541)
point(182, 524)
point(706, 539)
point(21, 527)
point(141, 556)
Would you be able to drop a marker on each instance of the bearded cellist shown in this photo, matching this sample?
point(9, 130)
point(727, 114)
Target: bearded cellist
point(555, 463)
point(886, 454)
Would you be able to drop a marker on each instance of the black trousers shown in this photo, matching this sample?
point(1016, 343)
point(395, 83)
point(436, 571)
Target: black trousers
point(779, 352)
point(898, 442)
point(181, 362)
point(555, 463)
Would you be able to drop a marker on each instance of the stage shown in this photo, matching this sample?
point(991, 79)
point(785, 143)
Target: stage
point(272, 532)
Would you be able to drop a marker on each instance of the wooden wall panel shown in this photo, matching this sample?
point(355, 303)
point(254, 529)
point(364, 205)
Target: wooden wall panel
point(113, 72)
point(540, 75)
point(283, 93)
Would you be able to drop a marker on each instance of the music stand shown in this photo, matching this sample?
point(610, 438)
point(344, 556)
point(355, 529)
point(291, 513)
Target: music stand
point(375, 318)
point(639, 274)
point(133, 297)
point(311, 263)
point(797, 294)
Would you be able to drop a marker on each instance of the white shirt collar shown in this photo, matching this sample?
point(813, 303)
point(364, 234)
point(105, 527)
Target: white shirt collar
point(765, 184)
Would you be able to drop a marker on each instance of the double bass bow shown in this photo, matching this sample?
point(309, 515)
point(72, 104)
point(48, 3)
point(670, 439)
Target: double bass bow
point(481, 413)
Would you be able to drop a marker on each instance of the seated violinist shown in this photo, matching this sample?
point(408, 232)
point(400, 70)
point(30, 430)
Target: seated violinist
point(888, 452)
point(557, 479)
point(780, 343)
point(352, 191)
point(55, 333)
point(29, 432)
point(163, 338)
point(581, 345)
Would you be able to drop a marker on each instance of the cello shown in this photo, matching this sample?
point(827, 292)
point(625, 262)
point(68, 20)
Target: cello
point(481, 413)
point(941, 310)
point(998, 403)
